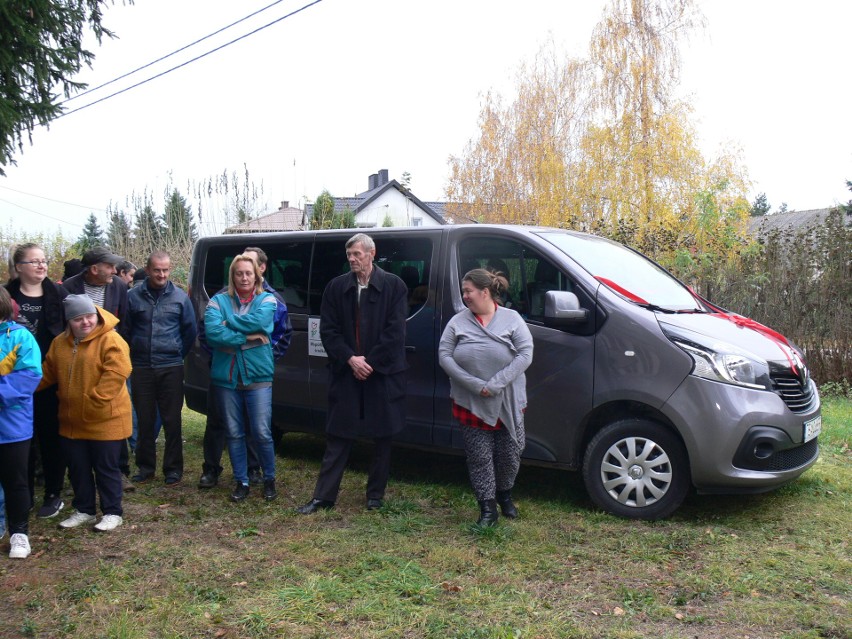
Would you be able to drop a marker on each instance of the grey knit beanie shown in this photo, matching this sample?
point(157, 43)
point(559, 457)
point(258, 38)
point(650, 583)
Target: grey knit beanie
point(76, 305)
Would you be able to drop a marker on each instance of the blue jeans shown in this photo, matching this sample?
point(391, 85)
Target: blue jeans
point(257, 405)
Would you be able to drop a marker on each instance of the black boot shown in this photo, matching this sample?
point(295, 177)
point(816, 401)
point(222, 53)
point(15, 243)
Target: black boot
point(487, 513)
point(504, 498)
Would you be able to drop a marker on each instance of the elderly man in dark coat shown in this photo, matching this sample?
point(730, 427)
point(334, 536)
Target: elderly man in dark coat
point(362, 326)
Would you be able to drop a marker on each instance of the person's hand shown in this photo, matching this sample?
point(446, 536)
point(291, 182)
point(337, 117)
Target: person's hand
point(257, 336)
point(360, 368)
point(484, 392)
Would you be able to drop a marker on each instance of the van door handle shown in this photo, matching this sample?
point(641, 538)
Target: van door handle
point(410, 349)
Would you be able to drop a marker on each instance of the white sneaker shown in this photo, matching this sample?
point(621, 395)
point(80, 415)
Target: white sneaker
point(77, 519)
point(20, 546)
point(109, 522)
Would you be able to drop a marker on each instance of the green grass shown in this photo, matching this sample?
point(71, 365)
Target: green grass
point(189, 563)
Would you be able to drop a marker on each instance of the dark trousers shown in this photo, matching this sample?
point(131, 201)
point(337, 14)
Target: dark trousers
point(158, 389)
point(46, 427)
point(14, 462)
point(334, 463)
point(93, 465)
point(124, 458)
point(214, 440)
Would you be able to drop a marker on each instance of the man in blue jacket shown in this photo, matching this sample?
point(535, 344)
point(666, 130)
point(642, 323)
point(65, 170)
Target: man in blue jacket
point(161, 329)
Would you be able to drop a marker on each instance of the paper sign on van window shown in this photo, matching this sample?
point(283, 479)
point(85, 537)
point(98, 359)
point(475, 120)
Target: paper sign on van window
point(314, 341)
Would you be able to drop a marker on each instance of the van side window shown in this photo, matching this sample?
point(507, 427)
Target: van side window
point(287, 272)
point(409, 258)
point(529, 273)
point(216, 267)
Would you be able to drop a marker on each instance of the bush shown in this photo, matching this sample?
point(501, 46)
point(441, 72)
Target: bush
point(800, 284)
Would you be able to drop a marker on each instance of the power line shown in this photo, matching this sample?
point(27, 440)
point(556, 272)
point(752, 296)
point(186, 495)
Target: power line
point(42, 214)
point(183, 64)
point(50, 199)
point(169, 55)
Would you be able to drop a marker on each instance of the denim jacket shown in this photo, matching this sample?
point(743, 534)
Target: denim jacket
point(161, 331)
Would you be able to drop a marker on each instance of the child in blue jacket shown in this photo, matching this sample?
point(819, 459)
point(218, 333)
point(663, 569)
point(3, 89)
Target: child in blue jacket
point(20, 373)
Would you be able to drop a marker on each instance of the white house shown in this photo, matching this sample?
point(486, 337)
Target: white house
point(386, 199)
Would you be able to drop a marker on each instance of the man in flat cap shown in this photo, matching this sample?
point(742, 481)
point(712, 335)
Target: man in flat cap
point(99, 281)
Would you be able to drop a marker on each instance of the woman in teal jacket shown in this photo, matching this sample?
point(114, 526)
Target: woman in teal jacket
point(238, 325)
point(20, 373)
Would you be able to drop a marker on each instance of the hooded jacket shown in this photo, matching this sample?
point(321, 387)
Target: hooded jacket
point(91, 376)
point(20, 371)
point(115, 297)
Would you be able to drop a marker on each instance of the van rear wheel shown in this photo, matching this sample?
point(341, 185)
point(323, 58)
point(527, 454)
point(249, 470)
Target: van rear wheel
point(636, 468)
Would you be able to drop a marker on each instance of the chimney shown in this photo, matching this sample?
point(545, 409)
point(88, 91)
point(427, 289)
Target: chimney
point(285, 204)
point(383, 177)
point(372, 182)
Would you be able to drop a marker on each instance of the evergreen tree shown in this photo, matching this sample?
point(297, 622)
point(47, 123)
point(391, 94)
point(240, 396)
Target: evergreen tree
point(91, 236)
point(760, 206)
point(118, 234)
point(178, 225)
point(323, 213)
point(41, 50)
point(148, 233)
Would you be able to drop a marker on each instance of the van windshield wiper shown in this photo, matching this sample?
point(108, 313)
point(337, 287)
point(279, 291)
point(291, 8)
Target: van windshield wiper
point(641, 302)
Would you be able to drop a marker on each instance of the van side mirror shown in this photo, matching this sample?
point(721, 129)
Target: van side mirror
point(562, 308)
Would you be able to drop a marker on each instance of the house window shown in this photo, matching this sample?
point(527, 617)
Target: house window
point(417, 221)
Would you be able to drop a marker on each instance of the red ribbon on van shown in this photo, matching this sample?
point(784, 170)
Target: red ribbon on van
point(747, 322)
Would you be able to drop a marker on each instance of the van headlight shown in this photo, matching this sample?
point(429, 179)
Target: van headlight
point(720, 361)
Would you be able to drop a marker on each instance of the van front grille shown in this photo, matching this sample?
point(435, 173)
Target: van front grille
point(799, 398)
point(793, 457)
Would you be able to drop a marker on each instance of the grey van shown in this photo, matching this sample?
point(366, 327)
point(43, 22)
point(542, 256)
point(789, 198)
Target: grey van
point(642, 385)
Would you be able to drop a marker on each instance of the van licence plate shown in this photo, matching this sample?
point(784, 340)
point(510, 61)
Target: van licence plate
point(812, 428)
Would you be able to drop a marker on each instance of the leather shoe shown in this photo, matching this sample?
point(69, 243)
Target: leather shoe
point(241, 491)
point(504, 499)
point(374, 504)
point(487, 513)
point(173, 479)
point(314, 505)
point(208, 480)
point(141, 478)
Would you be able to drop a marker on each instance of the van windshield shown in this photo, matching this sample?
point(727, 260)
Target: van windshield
point(627, 273)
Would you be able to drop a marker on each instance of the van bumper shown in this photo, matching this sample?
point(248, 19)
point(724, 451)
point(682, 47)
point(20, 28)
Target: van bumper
point(740, 440)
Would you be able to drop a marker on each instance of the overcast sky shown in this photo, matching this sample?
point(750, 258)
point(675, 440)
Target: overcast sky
point(326, 97)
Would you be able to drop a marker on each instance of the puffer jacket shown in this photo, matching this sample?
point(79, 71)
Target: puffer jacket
point(235, 358)
point(20, 372)
point(91, 376)
point(160, 331)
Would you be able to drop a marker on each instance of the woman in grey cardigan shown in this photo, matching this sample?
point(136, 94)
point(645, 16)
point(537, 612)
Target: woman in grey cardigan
point(485, 350)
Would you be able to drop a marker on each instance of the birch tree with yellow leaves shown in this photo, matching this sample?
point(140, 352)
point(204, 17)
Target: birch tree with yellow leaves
point(604, 145)
point(515, 172)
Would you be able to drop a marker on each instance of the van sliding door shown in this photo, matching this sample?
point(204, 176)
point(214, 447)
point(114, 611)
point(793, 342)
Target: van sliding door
point(409, 256)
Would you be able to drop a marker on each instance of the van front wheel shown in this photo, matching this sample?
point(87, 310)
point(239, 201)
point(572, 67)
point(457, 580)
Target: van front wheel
point(636, 468)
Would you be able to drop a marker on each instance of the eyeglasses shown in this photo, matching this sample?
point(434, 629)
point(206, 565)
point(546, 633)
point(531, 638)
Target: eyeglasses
point(35, 262)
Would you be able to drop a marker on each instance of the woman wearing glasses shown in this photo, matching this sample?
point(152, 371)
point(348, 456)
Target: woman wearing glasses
point(40, 310)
